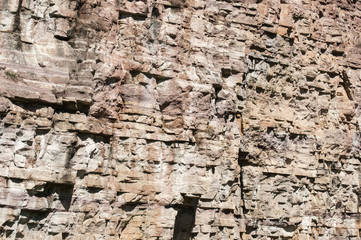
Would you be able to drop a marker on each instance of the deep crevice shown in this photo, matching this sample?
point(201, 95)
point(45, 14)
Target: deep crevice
point(55, 191)
point(17, 25)
point(346, 84)
point(62, 38)
point(241, 159)
point(158, 78)
point(137, 17)
point(185, 219)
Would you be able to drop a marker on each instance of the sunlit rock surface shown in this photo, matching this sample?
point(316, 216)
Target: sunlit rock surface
point(180, 119)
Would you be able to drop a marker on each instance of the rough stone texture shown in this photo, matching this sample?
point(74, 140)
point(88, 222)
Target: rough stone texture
point(180, 119)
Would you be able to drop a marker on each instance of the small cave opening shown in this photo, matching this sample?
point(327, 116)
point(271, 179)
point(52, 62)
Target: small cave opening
point(185, 219)
point(155, 12)
point(55, 192)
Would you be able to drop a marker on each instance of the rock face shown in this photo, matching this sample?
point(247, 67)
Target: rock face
point(180, 119)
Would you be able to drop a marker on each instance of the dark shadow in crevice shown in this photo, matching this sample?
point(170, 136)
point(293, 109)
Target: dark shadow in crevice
point(346, 84)
point(135, 16)
point(17, 25)
point(158, 78)
point(242, 156)
point(55, 191)
point(185, 219)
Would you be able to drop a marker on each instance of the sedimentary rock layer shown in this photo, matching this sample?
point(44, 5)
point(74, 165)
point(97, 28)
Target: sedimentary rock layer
point(180, 119)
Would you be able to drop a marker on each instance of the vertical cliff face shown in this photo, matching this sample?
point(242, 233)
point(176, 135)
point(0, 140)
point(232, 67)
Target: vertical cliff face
point(180, 119)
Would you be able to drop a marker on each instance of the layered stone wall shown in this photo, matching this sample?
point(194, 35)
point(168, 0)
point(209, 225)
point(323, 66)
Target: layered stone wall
point(180, 119)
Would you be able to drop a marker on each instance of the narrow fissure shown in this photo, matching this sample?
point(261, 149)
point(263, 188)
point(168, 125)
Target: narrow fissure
point(17, 19)
point(346, 85)
point(241, 157)
point(17, 25)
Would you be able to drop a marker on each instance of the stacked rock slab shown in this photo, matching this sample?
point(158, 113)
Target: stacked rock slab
point(180, 119)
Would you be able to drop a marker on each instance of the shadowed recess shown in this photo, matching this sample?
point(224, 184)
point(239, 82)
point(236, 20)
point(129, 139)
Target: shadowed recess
point(184, 221)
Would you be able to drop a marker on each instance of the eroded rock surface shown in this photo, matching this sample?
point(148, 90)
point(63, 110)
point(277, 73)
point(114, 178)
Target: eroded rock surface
point(180, 119)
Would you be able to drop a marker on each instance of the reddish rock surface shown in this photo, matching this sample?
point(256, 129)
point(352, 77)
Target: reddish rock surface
point(180, 119)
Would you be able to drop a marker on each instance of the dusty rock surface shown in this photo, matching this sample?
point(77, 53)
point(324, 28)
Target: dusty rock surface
point(180, 119)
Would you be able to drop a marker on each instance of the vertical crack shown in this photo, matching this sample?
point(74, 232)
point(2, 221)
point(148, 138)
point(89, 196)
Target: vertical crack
point(17, 24)
point(241, 158)
point(17, 19)
point(346, 85)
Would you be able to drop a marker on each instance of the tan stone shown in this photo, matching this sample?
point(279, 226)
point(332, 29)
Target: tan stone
point(131, 119)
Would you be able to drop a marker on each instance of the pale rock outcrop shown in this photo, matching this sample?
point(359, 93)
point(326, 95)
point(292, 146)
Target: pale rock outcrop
point(180, 119)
